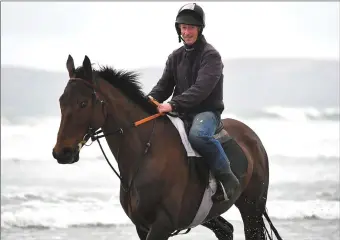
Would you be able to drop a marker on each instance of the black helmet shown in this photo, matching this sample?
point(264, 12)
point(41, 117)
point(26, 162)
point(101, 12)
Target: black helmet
point(191, 14)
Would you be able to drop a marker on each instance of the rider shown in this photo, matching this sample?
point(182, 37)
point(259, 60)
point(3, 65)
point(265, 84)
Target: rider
point(194, 74)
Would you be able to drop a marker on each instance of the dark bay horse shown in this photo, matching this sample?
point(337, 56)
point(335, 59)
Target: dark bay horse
point(159, 191)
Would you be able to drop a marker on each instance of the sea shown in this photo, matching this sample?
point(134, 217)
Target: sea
point(41, 199)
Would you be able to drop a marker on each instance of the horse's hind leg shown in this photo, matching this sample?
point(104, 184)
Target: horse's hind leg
point(251, 213)
point(222, 228)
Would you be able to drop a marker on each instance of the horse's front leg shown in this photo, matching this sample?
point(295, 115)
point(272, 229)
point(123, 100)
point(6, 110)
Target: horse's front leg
point(142, 234)
point(161, 228)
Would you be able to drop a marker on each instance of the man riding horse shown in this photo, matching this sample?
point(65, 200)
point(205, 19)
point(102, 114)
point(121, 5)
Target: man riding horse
point(194, 74)
point(159, 192)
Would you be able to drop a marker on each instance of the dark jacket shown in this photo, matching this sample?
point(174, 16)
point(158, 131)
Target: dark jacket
point(195, 77)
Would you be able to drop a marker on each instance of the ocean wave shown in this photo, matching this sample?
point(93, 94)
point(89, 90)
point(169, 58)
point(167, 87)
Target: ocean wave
point(284, 131)
point(287, 113)
point(290, 210)
point(36, 214)
point(62, 214)
point(269, 112)
point(309, 113)
point(39, 197)
point(330, 196)
point(86, 225)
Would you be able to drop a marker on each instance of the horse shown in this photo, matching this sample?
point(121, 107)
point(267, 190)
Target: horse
point(161, 188)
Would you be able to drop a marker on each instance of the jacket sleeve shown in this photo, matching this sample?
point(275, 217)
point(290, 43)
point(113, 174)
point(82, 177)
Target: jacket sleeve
point(209, 73)
point(165, 84)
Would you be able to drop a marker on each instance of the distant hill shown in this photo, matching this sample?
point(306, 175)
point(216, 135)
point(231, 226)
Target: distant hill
point(249, 84)
point(28, 92)
point(256, 83)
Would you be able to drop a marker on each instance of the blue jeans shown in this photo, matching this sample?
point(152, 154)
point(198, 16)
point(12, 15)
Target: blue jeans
point(201, 138)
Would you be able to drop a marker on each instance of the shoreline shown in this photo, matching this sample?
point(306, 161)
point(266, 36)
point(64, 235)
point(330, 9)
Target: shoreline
point(302, 229)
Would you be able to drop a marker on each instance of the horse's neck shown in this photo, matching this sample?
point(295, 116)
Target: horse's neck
point(128, 146)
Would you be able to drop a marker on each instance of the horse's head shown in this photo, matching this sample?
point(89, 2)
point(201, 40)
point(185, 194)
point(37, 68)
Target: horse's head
point(81, 111)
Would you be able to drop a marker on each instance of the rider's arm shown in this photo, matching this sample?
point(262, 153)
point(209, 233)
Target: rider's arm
point(166, 83)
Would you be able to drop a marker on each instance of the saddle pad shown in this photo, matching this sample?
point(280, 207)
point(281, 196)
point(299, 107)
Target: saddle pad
point(179, 124)
point(206, 202)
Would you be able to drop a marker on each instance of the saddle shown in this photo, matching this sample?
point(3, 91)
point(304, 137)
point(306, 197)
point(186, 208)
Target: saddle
point(236, 156)
point(220, 133)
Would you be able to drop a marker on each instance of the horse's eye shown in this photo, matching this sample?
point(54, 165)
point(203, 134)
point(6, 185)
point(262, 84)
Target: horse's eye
point(83, 104)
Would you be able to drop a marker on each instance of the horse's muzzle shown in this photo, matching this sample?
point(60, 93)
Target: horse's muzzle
point(66, 156)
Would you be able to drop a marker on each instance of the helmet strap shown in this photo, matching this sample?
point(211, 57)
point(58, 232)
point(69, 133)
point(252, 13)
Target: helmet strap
point(180, 38)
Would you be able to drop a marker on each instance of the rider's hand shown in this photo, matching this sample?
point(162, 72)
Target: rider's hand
point(164, 107)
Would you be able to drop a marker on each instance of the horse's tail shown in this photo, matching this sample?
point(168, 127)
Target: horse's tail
point(272, 227)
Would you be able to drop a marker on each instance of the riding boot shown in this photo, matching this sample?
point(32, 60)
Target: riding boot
point(229, 182)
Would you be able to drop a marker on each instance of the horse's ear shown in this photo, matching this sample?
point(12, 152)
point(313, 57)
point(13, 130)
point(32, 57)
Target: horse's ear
point(70, 66)
point(87, 68)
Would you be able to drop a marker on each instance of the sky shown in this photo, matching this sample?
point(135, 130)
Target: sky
point(133, 35)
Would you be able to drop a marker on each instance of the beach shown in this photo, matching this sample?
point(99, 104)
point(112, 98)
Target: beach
point(41, 199)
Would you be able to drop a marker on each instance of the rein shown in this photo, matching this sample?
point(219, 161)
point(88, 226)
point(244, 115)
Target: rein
point(94, 136)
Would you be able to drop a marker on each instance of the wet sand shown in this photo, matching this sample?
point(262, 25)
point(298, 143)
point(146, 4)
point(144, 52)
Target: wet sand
point(308, 229)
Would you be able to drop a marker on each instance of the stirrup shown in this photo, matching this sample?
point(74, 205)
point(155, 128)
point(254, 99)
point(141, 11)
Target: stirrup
point(217, 196)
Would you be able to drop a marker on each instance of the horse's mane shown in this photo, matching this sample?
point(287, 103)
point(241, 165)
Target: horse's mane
point(126, 81)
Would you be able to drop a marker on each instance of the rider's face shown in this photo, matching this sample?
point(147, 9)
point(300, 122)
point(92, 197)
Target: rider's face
point(189, 33)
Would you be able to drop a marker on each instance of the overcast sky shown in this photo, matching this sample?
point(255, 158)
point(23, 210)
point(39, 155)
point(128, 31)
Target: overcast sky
point(132, 35)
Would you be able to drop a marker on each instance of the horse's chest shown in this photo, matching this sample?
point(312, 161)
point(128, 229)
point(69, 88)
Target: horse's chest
point(138, 204)
point(129, 204)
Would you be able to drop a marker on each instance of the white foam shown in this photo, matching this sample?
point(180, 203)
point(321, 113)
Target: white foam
point(298, 138)
point(91, 212)
point(64, 214)
point(286, 209)
point(35, 139)
point(301, 114)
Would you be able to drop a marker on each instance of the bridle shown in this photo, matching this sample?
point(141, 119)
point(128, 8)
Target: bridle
point(95, 135)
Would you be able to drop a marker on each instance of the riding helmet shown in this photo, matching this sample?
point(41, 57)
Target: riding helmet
point(191, 14)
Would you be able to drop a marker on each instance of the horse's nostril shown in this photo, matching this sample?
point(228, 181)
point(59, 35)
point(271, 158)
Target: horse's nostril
point(67, 151)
